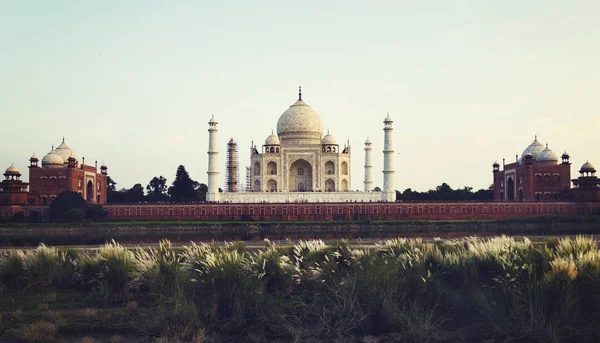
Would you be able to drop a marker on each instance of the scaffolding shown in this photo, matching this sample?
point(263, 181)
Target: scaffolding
point(248, 179)
point(232, 178)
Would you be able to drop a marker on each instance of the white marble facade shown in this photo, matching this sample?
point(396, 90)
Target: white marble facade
point(300, 164)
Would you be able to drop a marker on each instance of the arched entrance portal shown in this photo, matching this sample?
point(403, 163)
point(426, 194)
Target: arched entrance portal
point(90, 192)
point(510, 185)
point(300, 176)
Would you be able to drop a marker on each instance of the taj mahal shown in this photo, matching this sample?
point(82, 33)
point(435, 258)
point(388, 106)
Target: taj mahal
point(299, 164)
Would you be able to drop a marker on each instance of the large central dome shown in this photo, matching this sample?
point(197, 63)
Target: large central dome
point(300, 124)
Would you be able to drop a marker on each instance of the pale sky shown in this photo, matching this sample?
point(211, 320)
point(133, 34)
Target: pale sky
point(134, 83)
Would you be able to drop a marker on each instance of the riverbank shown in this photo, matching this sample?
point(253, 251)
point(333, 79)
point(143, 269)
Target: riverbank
point(22, 235)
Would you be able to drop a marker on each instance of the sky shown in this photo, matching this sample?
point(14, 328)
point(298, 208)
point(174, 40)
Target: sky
point(134, 83)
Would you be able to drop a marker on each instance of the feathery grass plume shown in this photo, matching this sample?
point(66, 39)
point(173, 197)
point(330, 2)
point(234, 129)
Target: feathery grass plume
point(118, 270)
point(12, 269)
point(89, 269)
point(161, 270)
point(399, 246)
point(226, 290)
point(306, 256)
point(48, 266)
point(568, 247)
point(272, 268)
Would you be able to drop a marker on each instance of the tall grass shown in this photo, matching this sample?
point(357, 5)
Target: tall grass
point(404, 290)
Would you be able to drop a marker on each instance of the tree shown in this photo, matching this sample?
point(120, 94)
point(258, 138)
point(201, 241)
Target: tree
point(112, 195)
point(134, 194)
point(183, 186)
point(110, 184)
point(64, 202)
point(157, 189)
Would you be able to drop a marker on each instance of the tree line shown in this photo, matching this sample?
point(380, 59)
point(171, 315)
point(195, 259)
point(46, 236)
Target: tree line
point(183, 189)
point(446, 193)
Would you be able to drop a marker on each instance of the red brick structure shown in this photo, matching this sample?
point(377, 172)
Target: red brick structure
point(13, 193)
point(349, 211)
point(62, 171)
point(537, 176)
point(587, 186)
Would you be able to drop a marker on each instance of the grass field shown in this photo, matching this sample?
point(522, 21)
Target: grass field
point(401, 290)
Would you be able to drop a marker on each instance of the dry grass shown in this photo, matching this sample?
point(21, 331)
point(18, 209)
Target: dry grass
point(40, 332)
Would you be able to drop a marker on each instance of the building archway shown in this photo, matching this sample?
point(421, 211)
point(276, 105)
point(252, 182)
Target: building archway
point(272, 185)
point(271, 168)
point(300, 176)
point(510, 185)
point(344, 185)
point(520, 194)
point(329, 168)
point(256, 169)
point(330, 185)
point(90, 192)
point(256, 187)
point(344, 168)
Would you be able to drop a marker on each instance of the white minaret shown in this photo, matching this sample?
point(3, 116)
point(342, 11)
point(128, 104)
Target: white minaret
point(368, 166)
point(389, 193)
point(213, 161)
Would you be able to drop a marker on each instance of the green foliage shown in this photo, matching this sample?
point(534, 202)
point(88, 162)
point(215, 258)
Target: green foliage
point(157, 189)
point(119, 268)
point(183, 188)
point(445, 193)
point(12, 271)
point(73, 215)
point(401, 290)
point(96, 212)
point(49, 267)
point(18, 217)
point(64, 202)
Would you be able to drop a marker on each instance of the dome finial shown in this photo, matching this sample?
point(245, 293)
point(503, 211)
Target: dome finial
point(52, 146)
point(63, 139)
point(546, 145)
point(299, 92)
point(327, 131)
point(271, 131)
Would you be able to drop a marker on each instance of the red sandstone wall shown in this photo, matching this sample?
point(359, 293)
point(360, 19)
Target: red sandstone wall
point(349, 211)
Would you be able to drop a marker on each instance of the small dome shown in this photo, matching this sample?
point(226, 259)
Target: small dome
point(33, 157)
point(12, 170)
point(272, 140)
point(547, 155)
point(565, 155)
point(64, 151)
point(52, 159)
point(368, 141)
point(212, 120)
point(388, 118)
point(328, 139)
point(495, 164)
point(587, 167)
point(103, 166)
point(535, 148)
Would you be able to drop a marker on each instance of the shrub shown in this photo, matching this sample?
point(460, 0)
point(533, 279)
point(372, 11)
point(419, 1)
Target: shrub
point(47, 266)
point(89, 269)
point(118, 270)
point(12, 269)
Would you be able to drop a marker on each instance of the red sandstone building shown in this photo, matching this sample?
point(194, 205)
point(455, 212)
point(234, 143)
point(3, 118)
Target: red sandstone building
point(61, 170)
point(536, 176)
point(587, 186)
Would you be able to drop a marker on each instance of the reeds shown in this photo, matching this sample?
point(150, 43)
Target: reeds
point(400, 290)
